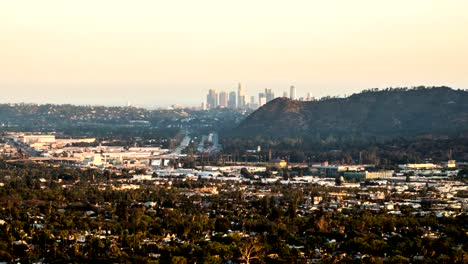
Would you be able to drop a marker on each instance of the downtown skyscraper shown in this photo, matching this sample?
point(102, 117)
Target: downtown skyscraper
point(241, 102)
point(232, 100)
point(211, 99)
point(292, 92)
point(223, 99)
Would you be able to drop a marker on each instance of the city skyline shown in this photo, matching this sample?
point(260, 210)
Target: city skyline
point(242, 100)
point(154, 53)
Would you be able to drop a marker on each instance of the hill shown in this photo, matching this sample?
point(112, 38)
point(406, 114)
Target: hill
point(433, 111)
point(112, 121)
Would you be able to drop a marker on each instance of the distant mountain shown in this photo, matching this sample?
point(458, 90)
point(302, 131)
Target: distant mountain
point(379, 113)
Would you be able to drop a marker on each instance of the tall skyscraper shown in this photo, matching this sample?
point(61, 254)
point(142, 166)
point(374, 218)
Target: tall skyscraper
point(262, 99)
point(252, 103)
point(240, 97)
point(260, 96)
point(292, 93)
point(242, 101)
point(232, 100)
point(211, 99)
point(223, 100)
point(269, 95)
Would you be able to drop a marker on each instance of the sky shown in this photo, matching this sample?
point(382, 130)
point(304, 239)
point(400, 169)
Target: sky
point(156, 53)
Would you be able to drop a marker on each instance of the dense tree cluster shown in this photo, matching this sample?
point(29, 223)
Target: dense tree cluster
point(102, 121)
point(368, 151)
point(59, 214)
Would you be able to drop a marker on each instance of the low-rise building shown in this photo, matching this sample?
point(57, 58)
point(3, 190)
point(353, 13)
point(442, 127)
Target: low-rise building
point(365, 175)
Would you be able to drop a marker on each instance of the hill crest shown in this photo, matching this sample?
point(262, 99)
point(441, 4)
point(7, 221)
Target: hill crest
point(386, 113)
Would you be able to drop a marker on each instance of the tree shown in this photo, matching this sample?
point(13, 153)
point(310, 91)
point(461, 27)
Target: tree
point(339, 180)
point(250, 249)
point(246, 173)
point(286, 175)
point(178, 260)
point(222, 225)
point(463, 173)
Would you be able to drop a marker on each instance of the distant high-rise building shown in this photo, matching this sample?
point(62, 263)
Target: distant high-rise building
point(211, 99)
point(269, 95)
point(242, 102)
point(285, 94)
point(308, 97)
point(261, 99)
point(252, 103)
point(253, 106)
point(223, 100)
point(240, 97)
point(292, 92)
point(232, 100)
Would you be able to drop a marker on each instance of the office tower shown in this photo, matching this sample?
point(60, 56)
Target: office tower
point(211, 99)
point(223, 100)
point(285, 94)
point(208, 101)
point(232, 100)
point(269, 95)
point(261, 99)
point(252, 103)
point(242, 101)
point(308, 97)
point(240, 95)
point(292, 93)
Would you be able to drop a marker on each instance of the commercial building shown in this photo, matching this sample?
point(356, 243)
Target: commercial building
point(240, 97)
point(292, 92)
point(211, 99)
point(269, 95)
point(420, 166)
point(365, 175)
point(31, 139)
point(261, 99)
point(223, 100)
point(232, 100)
point(335, 170)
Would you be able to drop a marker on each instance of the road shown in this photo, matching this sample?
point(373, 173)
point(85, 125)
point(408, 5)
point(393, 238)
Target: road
point(25, 149)
point(185, 142)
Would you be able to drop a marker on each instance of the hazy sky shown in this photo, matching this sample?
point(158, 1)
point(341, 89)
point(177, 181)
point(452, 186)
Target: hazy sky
point(166, 52)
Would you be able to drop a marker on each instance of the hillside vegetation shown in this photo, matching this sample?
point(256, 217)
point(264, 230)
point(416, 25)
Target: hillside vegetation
point(435, 111)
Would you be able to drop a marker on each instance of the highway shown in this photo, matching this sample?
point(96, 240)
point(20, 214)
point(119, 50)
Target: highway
point(185, 142)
